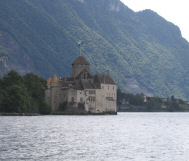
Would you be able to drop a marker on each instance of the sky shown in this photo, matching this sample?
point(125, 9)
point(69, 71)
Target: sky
point(175, 11)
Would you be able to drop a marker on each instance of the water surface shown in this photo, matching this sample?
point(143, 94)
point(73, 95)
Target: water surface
point(127, 136)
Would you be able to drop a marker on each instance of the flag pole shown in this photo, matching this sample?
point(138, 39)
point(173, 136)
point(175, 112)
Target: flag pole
point(80, 50)
point(79, 44)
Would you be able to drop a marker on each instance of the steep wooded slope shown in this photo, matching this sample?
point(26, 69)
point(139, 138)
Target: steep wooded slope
point(142, 51)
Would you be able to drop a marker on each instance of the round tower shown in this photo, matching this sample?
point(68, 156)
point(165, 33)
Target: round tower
point(55, 92)
point(48, 92)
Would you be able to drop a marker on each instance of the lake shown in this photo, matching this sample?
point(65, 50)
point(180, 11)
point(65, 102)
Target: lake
point(122, 137)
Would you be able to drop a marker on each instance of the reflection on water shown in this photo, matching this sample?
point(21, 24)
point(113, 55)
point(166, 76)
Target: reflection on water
point(127, 136)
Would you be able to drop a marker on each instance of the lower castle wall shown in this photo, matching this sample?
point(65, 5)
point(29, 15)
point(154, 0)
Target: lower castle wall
point(79, 99)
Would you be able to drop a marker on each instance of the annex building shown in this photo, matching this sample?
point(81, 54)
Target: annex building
point(82, 93)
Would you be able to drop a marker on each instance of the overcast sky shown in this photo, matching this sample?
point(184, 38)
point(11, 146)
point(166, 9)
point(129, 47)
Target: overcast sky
point(175, 11)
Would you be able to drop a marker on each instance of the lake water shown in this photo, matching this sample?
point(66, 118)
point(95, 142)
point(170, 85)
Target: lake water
point(122, 137)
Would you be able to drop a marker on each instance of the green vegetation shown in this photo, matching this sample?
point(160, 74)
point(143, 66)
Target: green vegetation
point(3, 52)
point(141, 103)
point(142, 46)
point(22, 94)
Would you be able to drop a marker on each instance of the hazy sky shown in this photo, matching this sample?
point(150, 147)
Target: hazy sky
point(175, 11)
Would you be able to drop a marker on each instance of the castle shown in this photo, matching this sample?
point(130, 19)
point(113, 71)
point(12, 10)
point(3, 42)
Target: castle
point(82, 93)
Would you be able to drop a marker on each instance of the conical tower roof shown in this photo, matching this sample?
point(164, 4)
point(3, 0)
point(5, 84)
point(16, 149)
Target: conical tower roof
point(49, 80)
point(81, 61)
point(55, 79)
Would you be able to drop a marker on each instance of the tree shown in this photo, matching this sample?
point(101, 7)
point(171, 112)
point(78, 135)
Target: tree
point(23, 94)
point(153, 104)
point(119, 97)
point(11, 78)
point(36, 88)
point(16, 99)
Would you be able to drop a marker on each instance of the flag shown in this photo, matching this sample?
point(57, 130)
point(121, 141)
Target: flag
point(79, 43)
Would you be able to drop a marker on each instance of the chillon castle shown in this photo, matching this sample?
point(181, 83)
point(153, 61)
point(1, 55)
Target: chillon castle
point(82, 93)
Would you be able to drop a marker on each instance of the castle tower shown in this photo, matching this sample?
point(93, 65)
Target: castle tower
point(78, 65)
point(48, 92)
point(55, 91)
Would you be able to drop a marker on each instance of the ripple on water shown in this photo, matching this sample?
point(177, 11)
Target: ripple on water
point(127, 136)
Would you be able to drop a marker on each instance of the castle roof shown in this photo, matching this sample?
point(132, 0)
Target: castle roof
point(49, 80)
point(81, 61)
point(86, 73)
point(55, 79)
point(87, 84)
point(104, 79)
point(79, 84)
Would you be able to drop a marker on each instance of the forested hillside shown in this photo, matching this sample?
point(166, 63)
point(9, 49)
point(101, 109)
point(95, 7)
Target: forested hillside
point(143, 52)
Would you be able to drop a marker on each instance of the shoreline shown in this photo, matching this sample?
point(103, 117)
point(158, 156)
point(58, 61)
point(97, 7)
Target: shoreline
point(20, 114)
point(57, 113)
point(85, 114)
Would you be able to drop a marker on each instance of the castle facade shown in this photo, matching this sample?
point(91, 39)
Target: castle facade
point(82, 93)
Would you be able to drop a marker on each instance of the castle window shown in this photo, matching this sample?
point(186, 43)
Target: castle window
point(91, 99)
point(108, 87)
point(81, 99)
point(91, 91)
point(72, 99)
point(113, 87)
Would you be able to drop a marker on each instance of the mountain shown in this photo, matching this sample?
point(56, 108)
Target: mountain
point(143, 52)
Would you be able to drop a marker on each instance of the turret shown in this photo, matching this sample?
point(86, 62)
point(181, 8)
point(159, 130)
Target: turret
point(49, 82)
point(52, 93)
point(55, 79)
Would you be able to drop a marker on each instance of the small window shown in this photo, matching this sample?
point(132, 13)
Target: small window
point(91, 91)
point(72, 99)
point(81, 99)
point(91, 99)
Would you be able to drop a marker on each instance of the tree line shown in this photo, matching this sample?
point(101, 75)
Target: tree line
point(152, 104)
point(23, 94)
